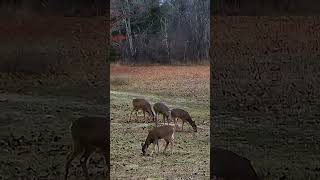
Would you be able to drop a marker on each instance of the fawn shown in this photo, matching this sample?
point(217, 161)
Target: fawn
point(184, 116)
point(89, 133)
point(161, 108)
point(229, 165)
point(165, 132)
point(145, 106)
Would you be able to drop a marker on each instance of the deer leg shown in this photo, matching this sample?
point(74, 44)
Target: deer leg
point(149, 116)
point(176, 123)
point(164, 119)
point(172, 141)
point(107, 159)
point(144, 115)
point(156, 121)
point(131, 114)
point(152, 149)
point(172, 144)
point(158, 146)
point(76, 150)
point(155, 142)
point(167, 142)
point(137, 114)
point(84, 160)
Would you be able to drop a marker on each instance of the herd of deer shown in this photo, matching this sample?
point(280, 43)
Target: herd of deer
point(166, 132)
point(161, 108)
point(91, 133)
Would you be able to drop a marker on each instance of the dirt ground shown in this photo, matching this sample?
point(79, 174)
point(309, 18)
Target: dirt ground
point(186, 87)
point(265, 92)
point(35, 135)
point(48, 77)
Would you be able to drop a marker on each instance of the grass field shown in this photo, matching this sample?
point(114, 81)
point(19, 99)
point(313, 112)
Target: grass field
point(276, 127)
point(186, 87)
point(265, 93)
point(46, 81)
point(34, 130)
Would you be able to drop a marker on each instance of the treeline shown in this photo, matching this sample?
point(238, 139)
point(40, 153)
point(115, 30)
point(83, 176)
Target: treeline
point(166, 32)
point(265, 7)
point(66, 7)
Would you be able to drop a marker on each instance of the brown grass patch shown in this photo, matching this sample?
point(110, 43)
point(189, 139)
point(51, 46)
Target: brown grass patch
point(179, 81)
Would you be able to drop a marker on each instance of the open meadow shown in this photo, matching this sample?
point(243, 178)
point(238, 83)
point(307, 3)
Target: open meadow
point(48, 78)
point(186, 87)
point(265, 93)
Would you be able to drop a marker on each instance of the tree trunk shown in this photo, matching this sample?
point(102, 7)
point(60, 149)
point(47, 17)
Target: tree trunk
point(128, 29)
point(164, 23)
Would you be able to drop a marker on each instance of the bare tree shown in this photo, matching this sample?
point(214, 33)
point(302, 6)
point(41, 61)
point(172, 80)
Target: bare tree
point(125, 11)
point(166, 32)
point(164, 28)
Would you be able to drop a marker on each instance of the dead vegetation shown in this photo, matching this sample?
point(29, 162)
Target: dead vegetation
point(265, 92)
point(52, 70)
point(178, 86)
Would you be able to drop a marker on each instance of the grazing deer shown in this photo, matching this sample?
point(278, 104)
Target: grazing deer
point(229, 165)
point(89, 133)
point(145, 106)
point(161, 108)
point(165, 132)
point(184, 116)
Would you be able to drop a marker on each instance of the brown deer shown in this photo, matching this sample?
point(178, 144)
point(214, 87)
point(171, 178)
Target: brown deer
point(230, 166)
point(184, 116)
point(165, 132)
point(161, 108)
point(145, 106)
point(89, 133)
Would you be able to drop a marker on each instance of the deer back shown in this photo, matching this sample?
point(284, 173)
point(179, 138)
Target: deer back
point(90, 130)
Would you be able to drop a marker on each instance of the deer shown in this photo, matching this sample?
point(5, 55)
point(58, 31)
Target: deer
point(145, 106)
point(184, 116)
point(165, 132)
point(231, 166)
point(161, 108)
point(89, 134)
